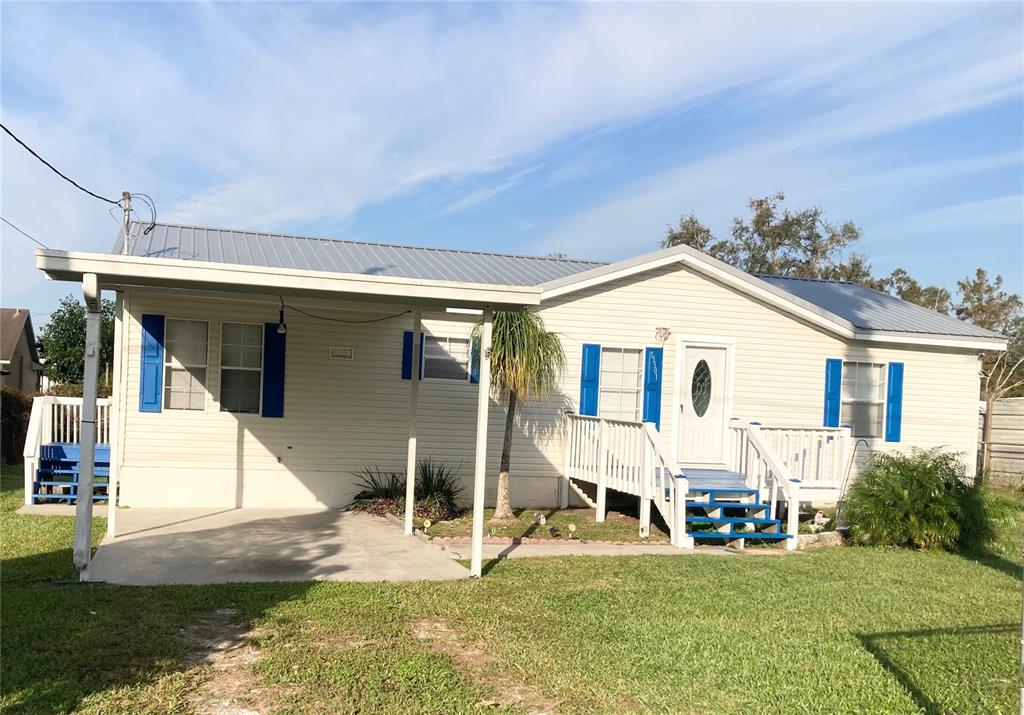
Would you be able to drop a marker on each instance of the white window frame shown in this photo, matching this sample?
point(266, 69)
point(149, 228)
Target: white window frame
point(164, 387)
point(879, 399)
point(220, 374)
point(601, 388)
point(447, 339)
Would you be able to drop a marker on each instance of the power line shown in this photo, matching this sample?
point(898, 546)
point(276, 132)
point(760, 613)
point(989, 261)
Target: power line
point(341, 320)
point(55, 170)
point(40, 243)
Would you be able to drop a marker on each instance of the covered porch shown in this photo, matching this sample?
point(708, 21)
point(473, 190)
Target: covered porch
point(399, 299)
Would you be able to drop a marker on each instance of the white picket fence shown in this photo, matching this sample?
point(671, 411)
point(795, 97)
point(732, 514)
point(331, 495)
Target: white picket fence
point(58, 419)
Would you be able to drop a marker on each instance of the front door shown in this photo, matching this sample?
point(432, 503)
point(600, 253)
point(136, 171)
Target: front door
point(702, 406)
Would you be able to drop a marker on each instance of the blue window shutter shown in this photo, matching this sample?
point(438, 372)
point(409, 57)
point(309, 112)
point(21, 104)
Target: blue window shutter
point(652, 386)
point(894, 402)
point(590, 379)
point(151, 380)
point(833, 391)
point(407, 355)
point(273, 371)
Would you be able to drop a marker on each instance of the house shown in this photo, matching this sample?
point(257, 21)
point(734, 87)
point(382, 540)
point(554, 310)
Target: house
point(257, 369)
point(20, 367)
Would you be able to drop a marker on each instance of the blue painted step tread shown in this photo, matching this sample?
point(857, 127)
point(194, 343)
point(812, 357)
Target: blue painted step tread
point(753, 535)
point(693, 519)
point(726, 505)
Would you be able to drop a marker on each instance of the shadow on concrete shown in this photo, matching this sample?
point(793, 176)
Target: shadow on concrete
point(171, 546)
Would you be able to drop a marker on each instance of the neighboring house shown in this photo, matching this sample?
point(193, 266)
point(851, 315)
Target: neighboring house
point(20, 367)
point(220, 408)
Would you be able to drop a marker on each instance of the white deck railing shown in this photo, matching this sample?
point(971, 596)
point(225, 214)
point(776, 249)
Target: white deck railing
point(817, 456)
point(58, 419)
point(628, 457)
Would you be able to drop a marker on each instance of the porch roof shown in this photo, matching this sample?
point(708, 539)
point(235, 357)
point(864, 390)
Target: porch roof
point(115, 271)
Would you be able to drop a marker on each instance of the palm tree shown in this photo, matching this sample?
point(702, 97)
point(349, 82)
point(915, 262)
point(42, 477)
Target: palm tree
point(526, 363)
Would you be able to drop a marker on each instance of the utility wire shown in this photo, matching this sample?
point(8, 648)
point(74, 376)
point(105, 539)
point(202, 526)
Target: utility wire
point(39, 243)
point(341, 320)
point(55, 170)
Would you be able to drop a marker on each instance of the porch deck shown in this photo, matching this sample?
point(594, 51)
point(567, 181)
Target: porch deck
point(705, 479)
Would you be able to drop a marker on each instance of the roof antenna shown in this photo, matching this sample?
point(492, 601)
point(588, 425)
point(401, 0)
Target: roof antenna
point(126, 204)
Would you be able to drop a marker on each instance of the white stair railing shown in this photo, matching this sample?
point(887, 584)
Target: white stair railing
point(751, 455)
point(58, 419)
point(666, 486)
point(628, 457)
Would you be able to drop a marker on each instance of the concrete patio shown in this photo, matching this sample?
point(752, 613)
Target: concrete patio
point(201, 546)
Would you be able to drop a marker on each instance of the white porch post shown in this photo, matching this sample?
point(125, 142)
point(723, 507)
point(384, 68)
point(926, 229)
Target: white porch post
point(114, 418)
point(483, 398)
point(414, 399)
point(87, 433)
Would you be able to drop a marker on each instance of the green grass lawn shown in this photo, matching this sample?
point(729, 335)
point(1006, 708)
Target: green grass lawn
point(616, 527)
point(837, 630)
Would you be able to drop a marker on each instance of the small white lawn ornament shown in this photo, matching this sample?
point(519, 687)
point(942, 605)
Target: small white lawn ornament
point(572, 531)
point(819, 521)
point(426, 524)
point(539, 518)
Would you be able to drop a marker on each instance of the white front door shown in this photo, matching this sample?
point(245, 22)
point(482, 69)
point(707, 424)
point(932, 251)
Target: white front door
point(702, 406)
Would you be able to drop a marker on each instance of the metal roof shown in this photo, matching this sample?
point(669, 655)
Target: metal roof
point(194, 243)
point(861, 307)
point(868, 309)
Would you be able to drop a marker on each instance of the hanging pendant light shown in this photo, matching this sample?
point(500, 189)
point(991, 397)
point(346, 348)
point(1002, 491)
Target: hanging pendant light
point(281, 327)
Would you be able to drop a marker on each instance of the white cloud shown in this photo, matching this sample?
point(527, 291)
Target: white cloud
point(270, 116)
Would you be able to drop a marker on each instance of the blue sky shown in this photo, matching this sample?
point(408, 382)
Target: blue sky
point(579, 129)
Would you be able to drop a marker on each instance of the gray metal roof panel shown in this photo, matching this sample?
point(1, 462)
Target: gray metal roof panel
point(861, 307)
point(193, 243)
point(868, 309)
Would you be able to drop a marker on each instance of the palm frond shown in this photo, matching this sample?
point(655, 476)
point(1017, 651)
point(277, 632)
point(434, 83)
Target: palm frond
point(525, 357)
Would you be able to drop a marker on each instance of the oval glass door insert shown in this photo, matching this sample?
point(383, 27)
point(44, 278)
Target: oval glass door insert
point(700, 388)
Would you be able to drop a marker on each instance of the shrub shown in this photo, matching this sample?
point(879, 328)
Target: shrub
point(438, 490)
point(923, 500)
point(15, 409)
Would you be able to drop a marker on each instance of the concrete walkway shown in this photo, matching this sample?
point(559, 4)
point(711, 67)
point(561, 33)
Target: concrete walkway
point(521, 551)
point(201, 546)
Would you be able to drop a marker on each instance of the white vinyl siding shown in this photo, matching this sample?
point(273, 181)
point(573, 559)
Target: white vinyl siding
point(346, 414)
point(621, 395)
point(445, 358)
point(186, 346)
point(863, 398)
point(241, 367)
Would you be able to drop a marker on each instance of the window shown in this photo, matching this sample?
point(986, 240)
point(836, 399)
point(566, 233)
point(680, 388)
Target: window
point(241, 367)
point(621, 384)
point(185, 349)
point(445, 358)
point(863, 398)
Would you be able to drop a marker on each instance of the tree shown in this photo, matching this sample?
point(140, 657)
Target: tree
point(934, 298)
point(526, 363)
point(776, 241)
point(985, 303)
point(800, 244)
point(62, 341)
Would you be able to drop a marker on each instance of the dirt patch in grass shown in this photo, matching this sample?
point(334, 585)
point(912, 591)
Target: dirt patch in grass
point(481, 669)
point(224, 644)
